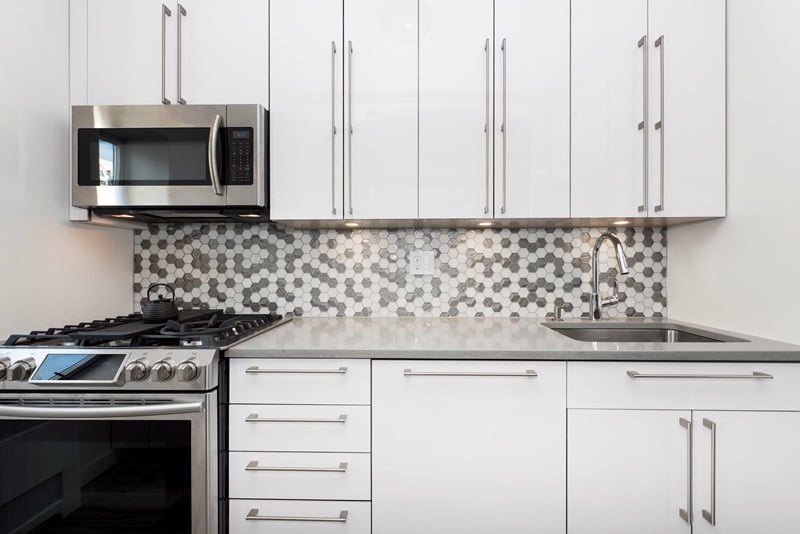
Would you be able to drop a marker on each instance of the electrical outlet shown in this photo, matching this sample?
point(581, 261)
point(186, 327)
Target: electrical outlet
point(421, 262)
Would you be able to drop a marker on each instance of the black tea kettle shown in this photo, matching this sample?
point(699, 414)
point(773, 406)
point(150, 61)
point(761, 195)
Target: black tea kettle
point(161, 309)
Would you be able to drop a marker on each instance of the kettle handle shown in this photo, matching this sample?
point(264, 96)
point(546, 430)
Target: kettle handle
point(153, 286)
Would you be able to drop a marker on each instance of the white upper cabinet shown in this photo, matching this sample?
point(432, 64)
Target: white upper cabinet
point(531, 156)
point(608, 108)
point(687, 97)
point(130, 52)
point(456, 109)
point(381, 109)
point(306, 113)
point(225, 51)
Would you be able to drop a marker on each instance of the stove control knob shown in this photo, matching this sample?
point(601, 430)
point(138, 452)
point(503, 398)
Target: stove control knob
point(4, 363)
point(21, 370)
point(136, 371)
point(163, 371)
point(188, 371)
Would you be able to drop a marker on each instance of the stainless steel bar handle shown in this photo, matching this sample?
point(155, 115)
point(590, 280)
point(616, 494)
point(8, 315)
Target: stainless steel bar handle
point(486, 129)
point(165, 12)
point(333, 127)
point(755, 375)
point(529, 373)
point(213, 141)
point(711, 515)
point(686, 513)
point(181, 14)
point(643, 124)
point(252, 515)
point(259, 371)
point(253, 466)
point(350, 123)
point(503, 128)
point(660, 128)
point(80, 412)
point(254, 418)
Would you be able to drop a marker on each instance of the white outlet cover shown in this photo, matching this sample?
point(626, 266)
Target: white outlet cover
point(421, 262)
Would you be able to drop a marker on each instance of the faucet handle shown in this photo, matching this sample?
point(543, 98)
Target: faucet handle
point(614, 298)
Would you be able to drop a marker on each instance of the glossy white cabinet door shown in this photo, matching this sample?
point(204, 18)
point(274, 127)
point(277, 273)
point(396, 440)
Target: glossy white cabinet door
point(757, 472)
point(381, 128)
point(607, 107)
point(225, 52)
point(306, 118)
point(455, 109)
point(468, 454)
point(124, 52)
point(691, 36)
point(627, 472)
point(531, 178)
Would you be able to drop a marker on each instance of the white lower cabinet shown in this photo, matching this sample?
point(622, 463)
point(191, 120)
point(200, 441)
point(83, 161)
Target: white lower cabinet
point(468, 447)
point(299, 517)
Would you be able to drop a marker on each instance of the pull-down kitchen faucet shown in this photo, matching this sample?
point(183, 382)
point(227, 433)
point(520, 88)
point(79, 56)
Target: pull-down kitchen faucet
point(596, 303)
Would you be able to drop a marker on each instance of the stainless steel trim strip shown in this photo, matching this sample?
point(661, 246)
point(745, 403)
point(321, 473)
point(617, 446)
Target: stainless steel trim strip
point(259, 371)
point(755, 375)
point(333, 127)
point(181, 14)
point(28, 412)
point(253, 466)
point(252, 515)
point(529, 373)
point(165, 12)
point(350, 124)
point(643, 125)
point(213, 140)
point(686, 513)
point(503, 128)
point(660, 128)
point(486, 129)
point(254, 418)
point(711, 515)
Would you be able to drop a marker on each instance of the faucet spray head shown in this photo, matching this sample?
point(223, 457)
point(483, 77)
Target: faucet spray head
point(621, 260)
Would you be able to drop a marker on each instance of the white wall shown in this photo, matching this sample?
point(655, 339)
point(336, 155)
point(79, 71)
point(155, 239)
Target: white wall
point(51, 271)
point(741, 273)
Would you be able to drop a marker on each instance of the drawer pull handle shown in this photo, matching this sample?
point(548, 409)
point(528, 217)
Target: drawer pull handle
point(253, 466)
point(686, 513)
point(252, 515)
point(755, 375)
point(711, 515)
point(259, 371)
point(530, 373)
point(254, 418)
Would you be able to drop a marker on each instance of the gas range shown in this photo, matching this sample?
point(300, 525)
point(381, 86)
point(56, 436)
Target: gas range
point(127, 353)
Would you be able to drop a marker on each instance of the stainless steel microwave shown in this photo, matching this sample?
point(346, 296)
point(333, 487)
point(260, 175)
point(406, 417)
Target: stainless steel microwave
point(169, 162)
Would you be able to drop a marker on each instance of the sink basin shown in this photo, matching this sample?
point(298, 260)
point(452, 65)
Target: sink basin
point(643, 333)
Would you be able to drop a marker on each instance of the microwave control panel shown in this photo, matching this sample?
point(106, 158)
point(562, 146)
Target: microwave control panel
point(240, 151)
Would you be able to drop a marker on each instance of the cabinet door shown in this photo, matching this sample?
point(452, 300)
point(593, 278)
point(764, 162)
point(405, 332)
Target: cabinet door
point(479, 447)
point(607, 108)
point(531, 109)
point(687, 78)
point(381, 109)
point(757, 472)
point(225, 52)
point(124, 51)
point(627, 472)
point(455, 109)
point(306, 116)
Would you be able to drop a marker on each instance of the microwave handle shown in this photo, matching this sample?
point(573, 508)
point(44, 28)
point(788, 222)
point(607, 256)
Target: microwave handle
point(213, 140)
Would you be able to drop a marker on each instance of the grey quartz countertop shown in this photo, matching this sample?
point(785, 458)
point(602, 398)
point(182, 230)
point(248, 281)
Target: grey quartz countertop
point(492, 339)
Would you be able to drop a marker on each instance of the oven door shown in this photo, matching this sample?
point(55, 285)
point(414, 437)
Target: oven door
point(148, 156)
point(108, 463)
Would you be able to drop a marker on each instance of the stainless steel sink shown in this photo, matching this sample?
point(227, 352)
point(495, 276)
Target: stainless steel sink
point(642, 333)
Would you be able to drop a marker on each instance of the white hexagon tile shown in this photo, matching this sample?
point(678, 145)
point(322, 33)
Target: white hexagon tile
point(489, 272)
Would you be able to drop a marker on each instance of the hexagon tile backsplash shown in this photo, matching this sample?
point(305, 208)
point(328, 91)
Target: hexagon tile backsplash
point(490, 272)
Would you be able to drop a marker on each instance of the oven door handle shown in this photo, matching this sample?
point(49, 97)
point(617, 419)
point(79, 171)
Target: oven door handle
point(105, 412)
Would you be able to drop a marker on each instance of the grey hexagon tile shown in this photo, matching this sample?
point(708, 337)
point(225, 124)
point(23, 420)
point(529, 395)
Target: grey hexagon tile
point(489, 272)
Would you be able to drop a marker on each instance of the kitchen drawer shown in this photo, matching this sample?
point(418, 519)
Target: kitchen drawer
point(290, 381)
point(291, 428)
point(683, 386)
point(299, 517)
point(312, 476)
